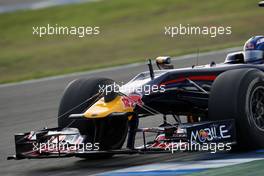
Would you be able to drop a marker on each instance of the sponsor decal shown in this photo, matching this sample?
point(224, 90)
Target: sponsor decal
point(132, 100)
point(193, 78)
point(212, 132)
point(203, 134)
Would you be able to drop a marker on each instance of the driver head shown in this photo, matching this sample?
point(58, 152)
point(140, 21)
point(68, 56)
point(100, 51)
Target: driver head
point(254, 50)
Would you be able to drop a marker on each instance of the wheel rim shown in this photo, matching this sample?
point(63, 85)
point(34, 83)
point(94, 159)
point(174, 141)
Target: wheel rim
point(257, 107)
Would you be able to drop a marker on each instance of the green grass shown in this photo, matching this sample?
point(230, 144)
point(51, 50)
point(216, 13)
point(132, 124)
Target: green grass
point(131, 31)
point(252, 168)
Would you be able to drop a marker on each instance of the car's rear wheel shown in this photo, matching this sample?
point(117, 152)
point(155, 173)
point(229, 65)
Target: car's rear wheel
point(239, 94)
point(109, 132)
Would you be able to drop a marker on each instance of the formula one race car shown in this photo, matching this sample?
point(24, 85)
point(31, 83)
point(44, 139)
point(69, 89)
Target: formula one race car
point(222, 104)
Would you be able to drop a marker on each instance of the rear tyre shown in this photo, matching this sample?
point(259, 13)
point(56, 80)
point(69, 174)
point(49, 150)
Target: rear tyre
point(239, 94)
point(109, 132)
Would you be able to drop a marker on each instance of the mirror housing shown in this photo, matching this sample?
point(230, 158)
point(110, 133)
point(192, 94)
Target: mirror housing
point(164, 62)
point(235, 58)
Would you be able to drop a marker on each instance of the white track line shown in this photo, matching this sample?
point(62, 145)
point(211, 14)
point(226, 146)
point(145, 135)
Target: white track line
point(178, 166)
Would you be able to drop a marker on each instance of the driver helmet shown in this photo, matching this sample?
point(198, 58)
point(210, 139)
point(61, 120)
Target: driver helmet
point(254, 50)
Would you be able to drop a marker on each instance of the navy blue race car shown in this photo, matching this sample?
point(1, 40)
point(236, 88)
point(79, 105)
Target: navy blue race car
point(214, 103)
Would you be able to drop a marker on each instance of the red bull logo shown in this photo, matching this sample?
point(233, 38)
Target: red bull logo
point(132, 100)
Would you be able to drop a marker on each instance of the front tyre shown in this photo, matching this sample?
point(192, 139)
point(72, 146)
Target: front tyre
point(110, 132)
point(239, 94)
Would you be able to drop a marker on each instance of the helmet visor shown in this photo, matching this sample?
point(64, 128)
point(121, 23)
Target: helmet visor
point(253, 55)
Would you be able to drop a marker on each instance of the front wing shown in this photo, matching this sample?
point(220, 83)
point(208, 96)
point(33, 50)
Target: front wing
point(68, 142)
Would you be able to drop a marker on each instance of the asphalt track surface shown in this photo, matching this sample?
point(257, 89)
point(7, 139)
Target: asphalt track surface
point(32, 105)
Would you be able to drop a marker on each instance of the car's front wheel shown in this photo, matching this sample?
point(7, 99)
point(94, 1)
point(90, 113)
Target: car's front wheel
point(239, 94)
point(109, 132)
